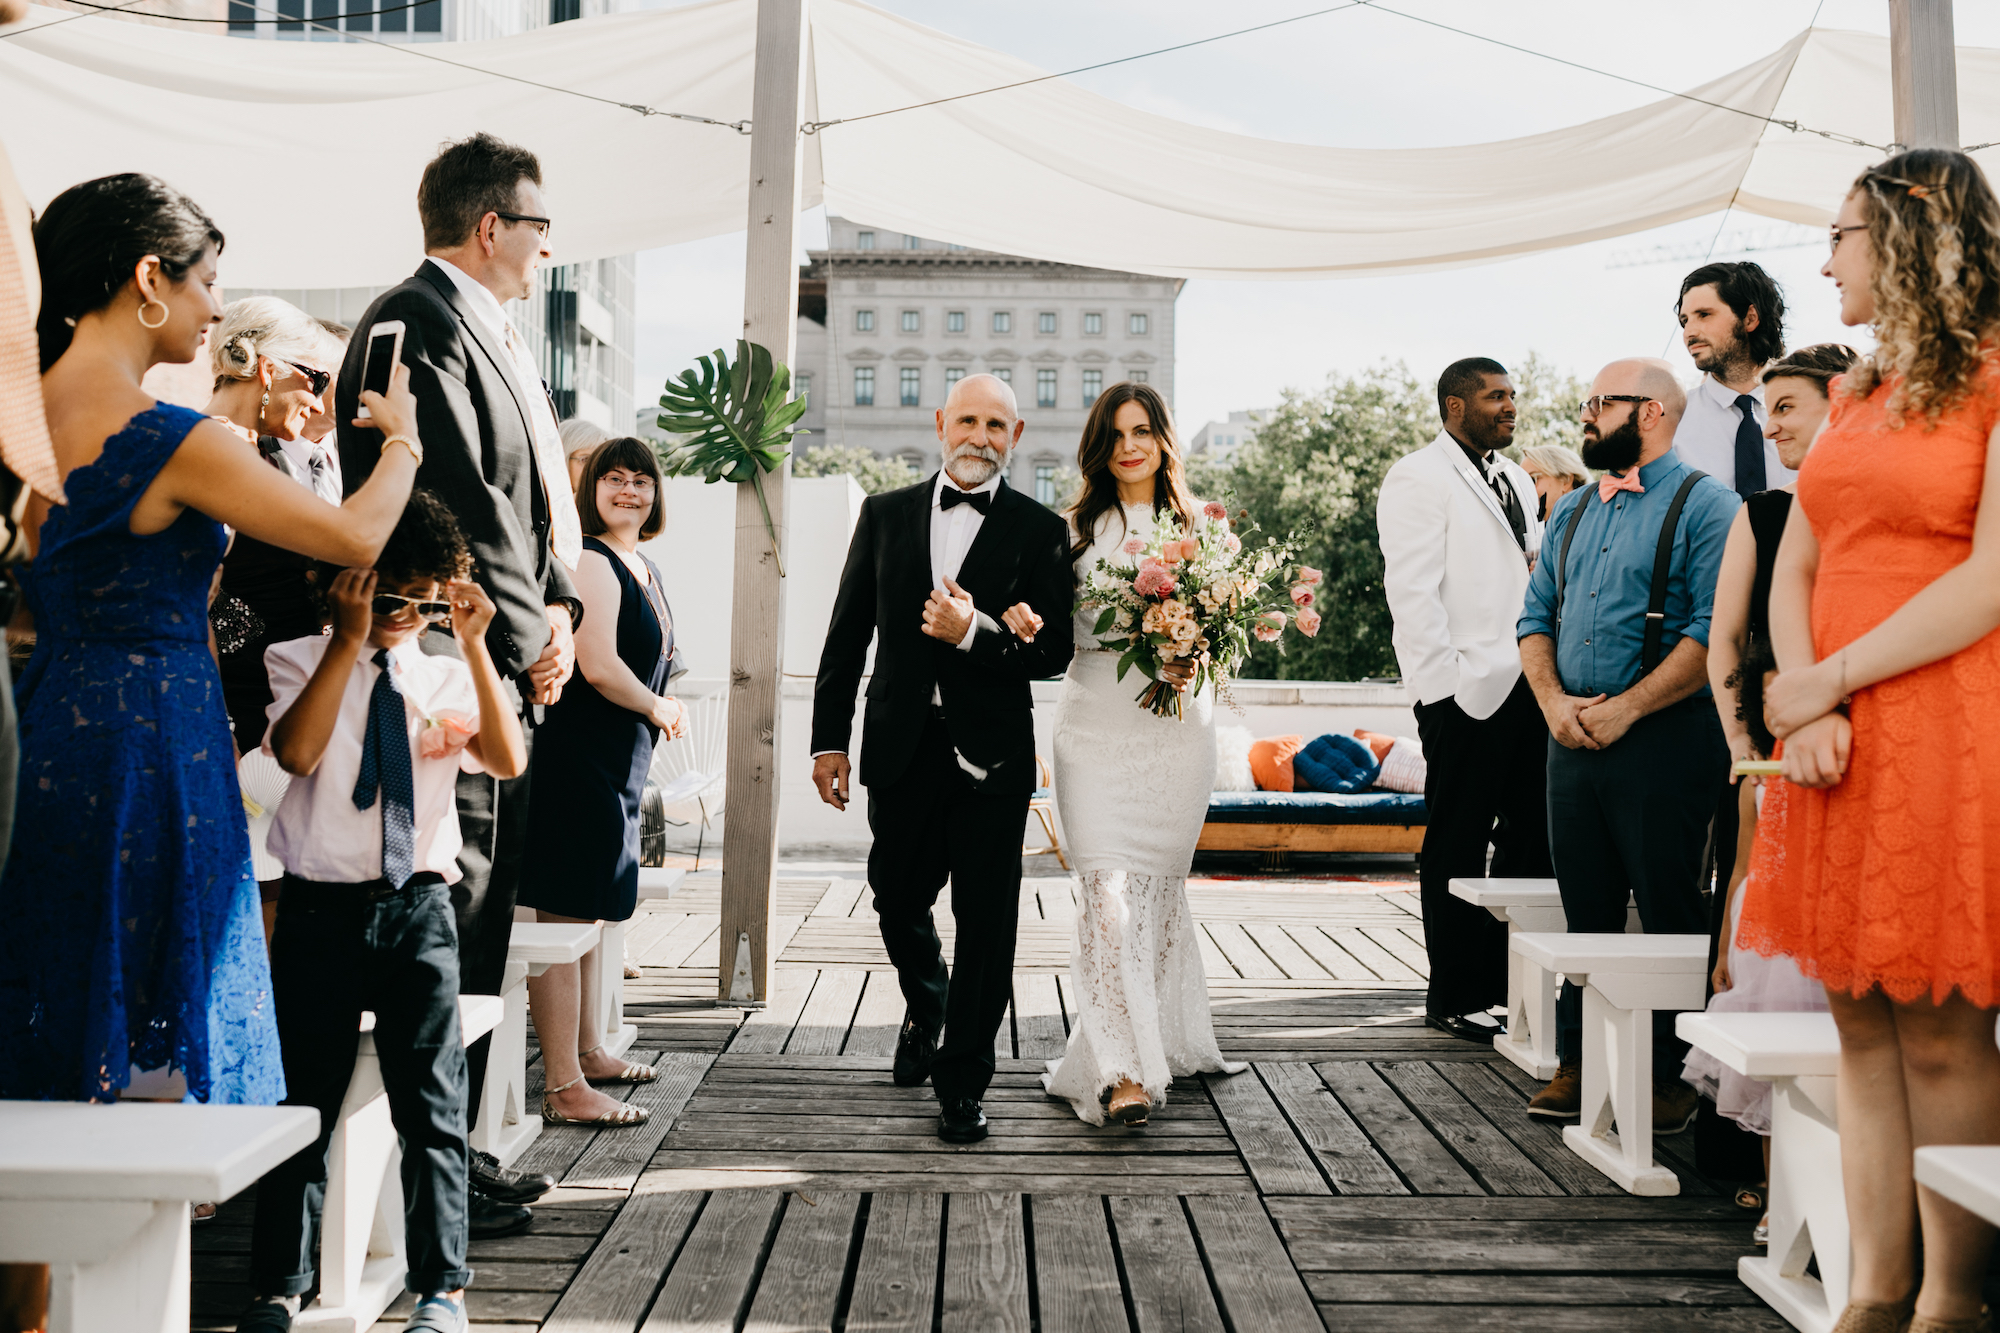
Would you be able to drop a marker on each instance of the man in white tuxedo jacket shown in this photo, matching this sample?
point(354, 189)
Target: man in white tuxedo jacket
point(1458, 524)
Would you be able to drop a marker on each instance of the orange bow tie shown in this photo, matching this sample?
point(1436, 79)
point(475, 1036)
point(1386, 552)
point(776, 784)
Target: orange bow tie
point(1610, 482)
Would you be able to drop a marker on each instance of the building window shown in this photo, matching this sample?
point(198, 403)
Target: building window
point(952, 375)
point(864, 240)
point(864, 321)
point(428, 17)
point(1137, 324)
point(912, 243)
point(1093, 321)
point(1138, 377)
point(864, 386)
point(954, 321)
point(1093, 385)
point(1045, 483)
point(912, 384)
point(803, 385)
point(912, 321)
point(1045, 388)
point(1003, 321)
point(1005, 374)
point(956, 248)
point(1045, 322)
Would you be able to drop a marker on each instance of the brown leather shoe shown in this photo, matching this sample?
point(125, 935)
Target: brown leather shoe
point(1561, 1098)
point(1674, 1105)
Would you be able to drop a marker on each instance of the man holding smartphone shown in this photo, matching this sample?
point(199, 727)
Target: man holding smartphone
point(493, 454)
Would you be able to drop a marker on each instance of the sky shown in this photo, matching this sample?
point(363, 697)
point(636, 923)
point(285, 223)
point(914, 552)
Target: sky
point(1367, 79)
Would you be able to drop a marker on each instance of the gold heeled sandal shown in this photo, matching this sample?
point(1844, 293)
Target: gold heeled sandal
point(629, 1074)
point(623, 1117)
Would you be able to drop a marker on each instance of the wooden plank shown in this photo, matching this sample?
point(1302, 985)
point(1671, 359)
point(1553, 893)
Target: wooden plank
point(1205, 1134)
point(1523, 1289)
point(1388, 838)
point(985, 1265)
point(1038, 1019)
point(766, 1030)
point(559, 1147)
point(921, 1136)
point(1557, 1319)
point(1620, 1207)
point(946, 1160)
point(1499, 1165)
point(1276, 1159)
point(841, 898)
point(878, 1020)
point(1076, 1272)
point(1416, 1154)
point(799, 1289)
point(828, 1013)
point(1214, 963)
point(1541, 1140)
point(614, 1161)
point(1241, 951)
point(1283, 950)
point(1408, 948)
point(1329, 1132)
point(1403, 900)
point(1566, 1246)
point(1674, 1151)
point(1371, 954)
point(1255, 1282)
point(895, 1282)
point(617, 1282)
point(673, 946)
point(1040, 1175)
point(1336, 961)
point(709, 1284)
point(1163, 1268)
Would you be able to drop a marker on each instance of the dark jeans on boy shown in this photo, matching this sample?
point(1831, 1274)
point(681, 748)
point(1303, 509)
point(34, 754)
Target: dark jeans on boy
point(340, 949)
point(1630, 821)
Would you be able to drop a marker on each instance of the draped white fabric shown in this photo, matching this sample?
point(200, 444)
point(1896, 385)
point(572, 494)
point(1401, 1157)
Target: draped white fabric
point(307, 153)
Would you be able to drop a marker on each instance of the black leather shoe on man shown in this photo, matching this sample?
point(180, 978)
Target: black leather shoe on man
point(488, 1218)
point(504, 1186)
point(1467, 1027)
point(960, 1120)
point(915, 1049)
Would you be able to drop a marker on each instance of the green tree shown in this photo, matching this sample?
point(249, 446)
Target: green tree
point(871, 472)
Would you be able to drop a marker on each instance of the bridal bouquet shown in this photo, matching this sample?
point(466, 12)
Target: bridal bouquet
point(1197, 598)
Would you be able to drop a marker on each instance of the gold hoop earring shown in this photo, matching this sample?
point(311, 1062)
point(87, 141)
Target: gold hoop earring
point(165, 313)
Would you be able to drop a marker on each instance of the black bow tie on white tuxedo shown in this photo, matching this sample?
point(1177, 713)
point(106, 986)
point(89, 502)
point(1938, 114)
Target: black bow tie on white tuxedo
point(980, 500)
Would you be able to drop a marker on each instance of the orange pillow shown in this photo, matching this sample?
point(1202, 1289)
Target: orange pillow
point(1376, 741)
point(1271, 761)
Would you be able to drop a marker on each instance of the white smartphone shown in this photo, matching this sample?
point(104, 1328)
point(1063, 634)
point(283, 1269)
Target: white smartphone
point(385, 349)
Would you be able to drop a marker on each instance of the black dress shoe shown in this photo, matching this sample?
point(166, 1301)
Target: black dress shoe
point(915, 1049)
point(488, 1218)
point(1464, 1028)
point(961, 1121)
point(502, 1185)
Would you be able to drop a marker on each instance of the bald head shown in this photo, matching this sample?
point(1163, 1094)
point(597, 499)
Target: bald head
point(1647, 375)
point(988, 390)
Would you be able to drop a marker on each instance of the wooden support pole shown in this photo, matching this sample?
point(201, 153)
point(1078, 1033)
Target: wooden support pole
point(757, 617)
point(1923, 63)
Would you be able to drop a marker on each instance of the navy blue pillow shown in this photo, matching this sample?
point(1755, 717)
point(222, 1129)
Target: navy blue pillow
point(1334, 763)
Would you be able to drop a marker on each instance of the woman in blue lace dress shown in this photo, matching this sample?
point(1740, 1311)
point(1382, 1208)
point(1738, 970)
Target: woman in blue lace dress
point(133, 937)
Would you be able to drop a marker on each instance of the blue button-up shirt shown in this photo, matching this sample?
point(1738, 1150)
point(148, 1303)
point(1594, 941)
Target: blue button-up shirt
point(1610, 580)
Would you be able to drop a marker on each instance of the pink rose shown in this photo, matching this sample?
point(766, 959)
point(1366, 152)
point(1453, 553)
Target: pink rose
point(1275, 620)
point(1301, 595)
point(1170, 552)
point(1153, 578)
point(446, 735)
point(1217, 511)
point(1309, 623)
point(1309, 575)
point(1232, 543)
point(1133, 546)
point(1267, 633)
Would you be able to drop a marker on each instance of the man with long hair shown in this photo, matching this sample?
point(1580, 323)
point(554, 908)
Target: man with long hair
point(1732, 320)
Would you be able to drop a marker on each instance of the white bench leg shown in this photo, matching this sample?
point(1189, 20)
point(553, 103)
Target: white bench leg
point(1530, 1038)
point(505, 1129)
point(361, 1256)
point(140, 1285)
point(1618, 1090)
point(618, 1034)
point(1808, 1210)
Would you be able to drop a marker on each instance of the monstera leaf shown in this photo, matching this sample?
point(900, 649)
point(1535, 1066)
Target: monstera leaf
point(738, 420)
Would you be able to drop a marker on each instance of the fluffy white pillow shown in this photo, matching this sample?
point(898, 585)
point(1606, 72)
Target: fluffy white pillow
point(1232, 759)
point(1403, 768)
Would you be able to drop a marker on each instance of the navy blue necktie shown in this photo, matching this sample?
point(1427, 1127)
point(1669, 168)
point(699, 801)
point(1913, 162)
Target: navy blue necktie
point(1749, 448)
point(385, 766)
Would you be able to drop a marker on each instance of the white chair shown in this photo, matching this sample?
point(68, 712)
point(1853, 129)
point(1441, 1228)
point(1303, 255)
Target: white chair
point(1625, 978)
point(690, 771)
point(505, 1128)
point(1968, 1176)
point(1799, 1056)
point(101, 1194)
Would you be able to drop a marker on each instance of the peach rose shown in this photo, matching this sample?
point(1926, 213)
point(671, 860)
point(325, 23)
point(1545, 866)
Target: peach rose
point(446, 735)
point(1309, 623)
point(1301, 595)
point(1232, 543)
point(1267, 633)
point(1308, 575)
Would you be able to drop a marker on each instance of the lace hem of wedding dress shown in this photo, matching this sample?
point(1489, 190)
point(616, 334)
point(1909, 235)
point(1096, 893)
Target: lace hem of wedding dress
point(1142, 993)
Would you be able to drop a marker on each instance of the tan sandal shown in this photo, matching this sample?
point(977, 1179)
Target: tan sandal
point(629, 1074)
point(1877, 1316)
point(1980, 1323)
point(625, 1116)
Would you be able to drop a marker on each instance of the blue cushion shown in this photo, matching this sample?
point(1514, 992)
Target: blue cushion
point(1313, 807)
point(1334, 763)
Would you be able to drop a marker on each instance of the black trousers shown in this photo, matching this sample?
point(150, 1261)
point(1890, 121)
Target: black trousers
point(493, 823)
point(1630, 822)
point(931, 826)
point(1485, 783)
point(334, 954)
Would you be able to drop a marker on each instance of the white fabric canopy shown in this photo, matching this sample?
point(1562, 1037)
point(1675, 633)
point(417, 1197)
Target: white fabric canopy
point(307, 153)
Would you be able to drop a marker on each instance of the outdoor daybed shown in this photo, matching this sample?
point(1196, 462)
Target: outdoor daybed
point(1277, 822)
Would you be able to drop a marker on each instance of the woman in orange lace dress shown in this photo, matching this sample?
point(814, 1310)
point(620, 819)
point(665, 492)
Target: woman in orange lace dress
point(1884, 606)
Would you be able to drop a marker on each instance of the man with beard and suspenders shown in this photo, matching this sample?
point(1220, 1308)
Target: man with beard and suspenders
point(1614, 641)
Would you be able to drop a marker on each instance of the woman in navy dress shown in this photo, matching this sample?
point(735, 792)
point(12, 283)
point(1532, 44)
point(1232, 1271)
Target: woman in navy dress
point(133, 937)
point(592, 753)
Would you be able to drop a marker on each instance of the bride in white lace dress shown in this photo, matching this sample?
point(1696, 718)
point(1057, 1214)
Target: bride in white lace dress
point(1133, 790)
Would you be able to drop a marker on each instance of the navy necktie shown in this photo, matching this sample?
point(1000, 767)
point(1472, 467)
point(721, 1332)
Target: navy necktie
point(1749, 448)
point(385, 767)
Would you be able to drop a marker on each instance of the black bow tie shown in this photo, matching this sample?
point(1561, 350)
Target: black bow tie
point(980, 500)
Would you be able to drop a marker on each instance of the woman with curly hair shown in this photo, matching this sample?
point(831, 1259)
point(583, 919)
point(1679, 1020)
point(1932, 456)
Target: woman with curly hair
point(1884, 606)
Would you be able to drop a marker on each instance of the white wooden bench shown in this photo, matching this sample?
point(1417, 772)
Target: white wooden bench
point(1625, 979)
point(1969, 1176)
point(362, 1260)
point(505, 1128)
point(101, 1193)
point(1799, 1056)
point(654, 882)
point(1527, 905)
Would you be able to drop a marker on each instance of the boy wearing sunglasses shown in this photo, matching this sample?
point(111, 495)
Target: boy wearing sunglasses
point(374, 734)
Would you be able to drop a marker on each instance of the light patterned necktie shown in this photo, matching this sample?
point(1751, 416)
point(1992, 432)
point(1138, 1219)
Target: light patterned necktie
point(565, 529)
point(24, 430)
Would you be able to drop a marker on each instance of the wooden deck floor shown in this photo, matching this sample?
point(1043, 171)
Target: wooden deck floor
point(1366, 1174)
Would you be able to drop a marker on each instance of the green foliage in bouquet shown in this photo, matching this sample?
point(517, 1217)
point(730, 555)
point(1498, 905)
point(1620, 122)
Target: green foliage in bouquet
point(738, 420)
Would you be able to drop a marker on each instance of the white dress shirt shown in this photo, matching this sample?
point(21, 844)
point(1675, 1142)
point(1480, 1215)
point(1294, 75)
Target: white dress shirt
point(1706, 437)
point(319, 834)
point(317, 466)
point(565, 528)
